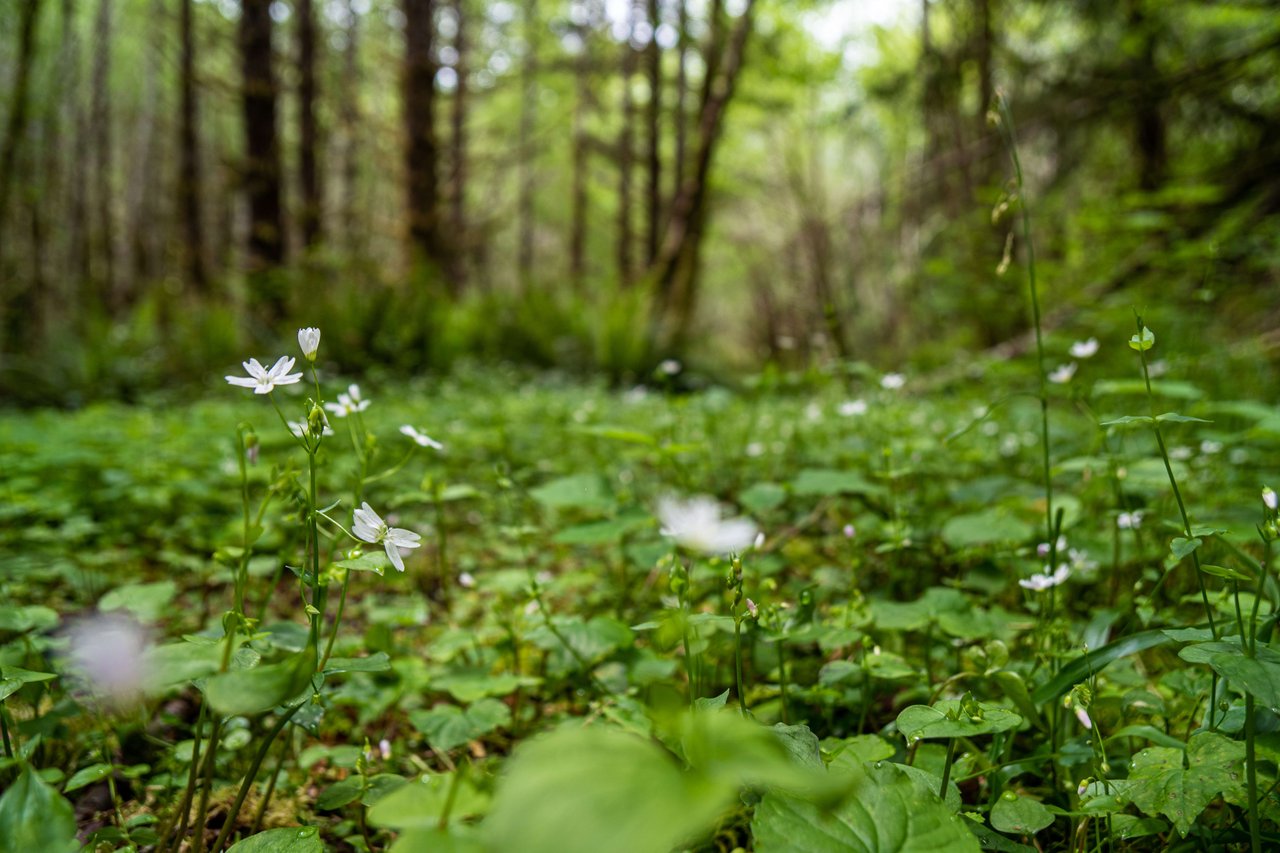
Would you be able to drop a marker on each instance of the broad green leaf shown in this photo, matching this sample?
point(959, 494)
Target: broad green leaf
point(950, 718)
point(289, 839)
point(1159, 784)
point(1019, 815)
point(376, 662)
point(178, 663)
point(470, 685)
point(580, 491)
point(1143, 341)
point(252, 691)
point(147, 601)
point(602, 532)
point(456, 838)
point(985, 527)
point(86, 776)
point(418, 804)
point(1259, 675)
point(762, 497)
point(1175, 418)
point(35, 817)
point(824, 483)
point(448, 726)
point(375, 561)
point(1181, 547)
point(340, 793)
point(884, 813)
point(585, 790)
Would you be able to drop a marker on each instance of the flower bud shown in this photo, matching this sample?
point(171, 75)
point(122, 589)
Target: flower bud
point(309, 342)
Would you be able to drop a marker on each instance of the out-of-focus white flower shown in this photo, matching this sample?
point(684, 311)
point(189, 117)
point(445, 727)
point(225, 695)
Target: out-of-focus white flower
point(1042, 550)
point(348, 403)
point(421, 439)
point(1085, 349)
point(466, 580)
point(696, 524)
point(369, 526)
point(755, 448)
point(309, 342)
point(1209, 447)
point(264, 381)
point(1181, 453)
point(669, 367)
point(853, 408)
point(1159, 367)
point(1083, 716)
point(1129, 520)
point(813, 412)
point(1080, 561)
point(752, 609)
point(1063, 374)
point(1046, 579)
point(384, 749)
point(892, 381)
point(849, 531)
point(107, 651)
point(1269, 498)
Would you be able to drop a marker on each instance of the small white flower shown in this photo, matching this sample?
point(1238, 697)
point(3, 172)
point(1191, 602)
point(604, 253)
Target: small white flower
point(264, 381)
point(1080, 561)
point(670, 367)
point(1269, 498)
point(421, 439)
point(1044, 580)
point(1063, 374)
point(369, 526)
point(813, 412)
point(309, 342)
point(1210, 447)
point(752, 608)
point(384, 749)
point(696, 524)
point(108, 652)
point(466, 580)
point(1084, 349)
point(1181, 453)
point(1042, 550)
point(849, 531)
point(892, 381)
point(853, 408)
point(348, 403)
point(1129, 520)
point(758, 542)
point(1083, 716)
point(1159, 367)
point(755, 448)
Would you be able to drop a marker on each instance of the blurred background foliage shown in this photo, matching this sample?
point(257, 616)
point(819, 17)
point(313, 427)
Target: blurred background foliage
point(600, 185)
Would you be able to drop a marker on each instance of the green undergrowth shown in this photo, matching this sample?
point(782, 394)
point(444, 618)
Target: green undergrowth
point(553, 673)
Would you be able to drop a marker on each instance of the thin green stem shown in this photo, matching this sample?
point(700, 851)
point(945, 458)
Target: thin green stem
point(337, 619)
point(206, 789)
point(1251, 774)
point(245, 785)
point(946, 768)
point(184, 808)
point(271, 789)
point(4, 732)
point(737, 662)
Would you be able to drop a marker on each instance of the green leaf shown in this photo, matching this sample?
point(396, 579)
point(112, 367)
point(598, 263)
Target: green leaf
point(1159, 784)
point(986, 527)
point(375, 561)
point(1143, 341)
point(470, 685)
point(618, 433)
point(1181, 547)
point(566, 792)
point(580, 491)
point(420, 803)
point(886, 811)
point(340, 793)
point(252, 691)
point(288, 839)
point(179, 663)
point(1225, 572)
point(1175, 418)
point(376, 662)
point(1129, 421)
point(448, 726)
point(1092, 662)
point(601, 532)
point(86, 776)
point(147, 601)
point(949, 718)
point(35, 817)
point(25, 676)
point(1138, 388)
point(825, 483)
point(1258, 675)
point(762, 497)
point(1020, 815)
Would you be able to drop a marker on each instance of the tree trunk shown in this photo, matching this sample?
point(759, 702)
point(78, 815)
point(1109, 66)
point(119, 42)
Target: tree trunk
point(18, 107)
point(626, 153)
point(146, 229)
point(111, 290)
point(421, 151)
point(528, 115)
point(675, 271)
point(458, 149)
point(653, 154)
point(261, 171)
point(310, 208)
point(350, 116)
point(1149, 126)
point(189, 189)
point(578, 194)
point(682, 89)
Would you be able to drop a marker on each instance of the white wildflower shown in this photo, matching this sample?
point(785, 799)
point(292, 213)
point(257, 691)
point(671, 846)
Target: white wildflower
point(1046, 579)
point(108, 652)
point(348, 403)
point(1269, 498)
point(1083, 716)
point(1063, 374)
point(1181, 453)
point(466, 580)
point(421, 439)
point(853, 408)
point(1129, 520)
point(309, 342)
point(1084, 349)
point(1209, 447)
point(696, 524)
point(892, 381)
point(264, 381)
point(369, 526)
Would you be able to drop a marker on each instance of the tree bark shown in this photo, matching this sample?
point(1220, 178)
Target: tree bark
point(675, 272)
point(578, 194)
point(458, 148)
point(626, 153)
point(18, 107)
point(189, 189)
point(261, 171)
point(653, 154)
point(350, 117)
point(101, 120)
point(682, 90)
point(1149, 126)
point(528, 115)
point(421, 151)
point(311, 207)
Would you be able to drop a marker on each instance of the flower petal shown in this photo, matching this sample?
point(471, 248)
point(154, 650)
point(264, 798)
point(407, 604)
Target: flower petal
point(394, 553)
